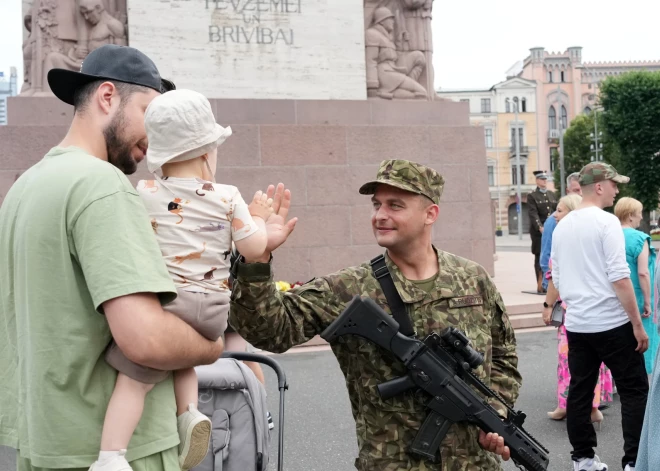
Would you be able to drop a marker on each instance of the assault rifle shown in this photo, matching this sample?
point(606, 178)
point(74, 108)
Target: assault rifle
point(440, 365)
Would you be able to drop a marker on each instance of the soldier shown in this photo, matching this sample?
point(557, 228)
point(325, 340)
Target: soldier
point(541, 203)
point(437, 288)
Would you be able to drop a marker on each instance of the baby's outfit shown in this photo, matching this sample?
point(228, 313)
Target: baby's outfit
point(195, 222)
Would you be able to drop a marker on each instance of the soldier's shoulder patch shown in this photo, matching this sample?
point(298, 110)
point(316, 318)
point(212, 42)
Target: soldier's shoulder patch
point(465, 301)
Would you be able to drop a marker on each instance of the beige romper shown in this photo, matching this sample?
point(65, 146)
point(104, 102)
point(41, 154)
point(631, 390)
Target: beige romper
point(195, 222)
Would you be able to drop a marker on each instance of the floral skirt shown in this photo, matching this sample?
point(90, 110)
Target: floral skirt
point(604, 387)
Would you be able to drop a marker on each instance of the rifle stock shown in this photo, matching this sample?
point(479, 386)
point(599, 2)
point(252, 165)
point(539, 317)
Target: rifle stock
point(445, 377)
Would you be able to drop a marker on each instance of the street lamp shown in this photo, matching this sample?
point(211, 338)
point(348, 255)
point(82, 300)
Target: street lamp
point(562, 171)
point(596, 147)
point(516, 138)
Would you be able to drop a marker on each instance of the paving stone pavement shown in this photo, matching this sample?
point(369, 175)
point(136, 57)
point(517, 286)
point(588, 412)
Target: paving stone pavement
point(319, 428)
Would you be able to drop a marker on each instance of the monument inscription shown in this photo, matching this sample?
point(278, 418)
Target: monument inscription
point(282, 49)
point(252, 32)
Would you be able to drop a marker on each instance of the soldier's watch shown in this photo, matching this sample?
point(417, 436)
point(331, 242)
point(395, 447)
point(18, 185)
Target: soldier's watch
point(545, 304)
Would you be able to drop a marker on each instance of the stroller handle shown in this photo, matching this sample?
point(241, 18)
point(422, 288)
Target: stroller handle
point(282, 386)
point(258, 358)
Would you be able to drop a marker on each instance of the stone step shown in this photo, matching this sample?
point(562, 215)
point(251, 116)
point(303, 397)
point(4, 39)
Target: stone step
point(525, 316)
point(526, 321)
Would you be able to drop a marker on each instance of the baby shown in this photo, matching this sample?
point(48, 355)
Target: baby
point(195, 221)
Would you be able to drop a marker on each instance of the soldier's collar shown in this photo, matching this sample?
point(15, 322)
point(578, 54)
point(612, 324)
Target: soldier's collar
point(408, 291)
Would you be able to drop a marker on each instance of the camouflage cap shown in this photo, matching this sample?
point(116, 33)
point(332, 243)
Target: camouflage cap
point(409, 176)
point(599, 172)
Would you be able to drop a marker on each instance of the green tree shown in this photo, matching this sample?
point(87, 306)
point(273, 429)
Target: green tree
point(632, 113)
point(577, 146)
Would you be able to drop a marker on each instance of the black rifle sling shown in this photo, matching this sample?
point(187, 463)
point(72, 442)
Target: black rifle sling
point(398, 308)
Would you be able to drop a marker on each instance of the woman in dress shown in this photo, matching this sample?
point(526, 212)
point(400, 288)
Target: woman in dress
point(603, 391)
point(641, 260)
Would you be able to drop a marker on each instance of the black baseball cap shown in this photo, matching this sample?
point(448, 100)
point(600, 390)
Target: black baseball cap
point(109, 62)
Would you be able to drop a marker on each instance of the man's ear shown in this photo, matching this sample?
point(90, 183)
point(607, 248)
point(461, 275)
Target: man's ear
point(432, 213)
point(105, 94)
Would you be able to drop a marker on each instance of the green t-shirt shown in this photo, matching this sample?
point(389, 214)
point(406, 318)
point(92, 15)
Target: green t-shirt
point(425, 285)
point(73, 234)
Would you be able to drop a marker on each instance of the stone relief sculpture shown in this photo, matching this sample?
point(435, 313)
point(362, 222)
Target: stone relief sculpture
point(390, 75)
point(27, 54)
point(63, 32)
point(400, 30)
point(417, 35)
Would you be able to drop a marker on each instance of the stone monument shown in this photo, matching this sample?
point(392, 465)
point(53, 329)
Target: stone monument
point(60, 33)
point(317, 94)
point(273, 49)
point(409, 34)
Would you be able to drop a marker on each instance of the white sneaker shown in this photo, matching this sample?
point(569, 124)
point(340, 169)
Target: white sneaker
point(629, 468)
point(118, 463)
point(589, 464)
point(195, 436)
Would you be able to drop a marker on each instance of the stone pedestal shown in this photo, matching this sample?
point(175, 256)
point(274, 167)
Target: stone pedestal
point(323, 151)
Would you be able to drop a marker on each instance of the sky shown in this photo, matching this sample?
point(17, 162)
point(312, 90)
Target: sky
point(476, 42)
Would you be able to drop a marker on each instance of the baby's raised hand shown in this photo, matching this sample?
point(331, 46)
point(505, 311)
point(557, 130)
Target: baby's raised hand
point(261, 206)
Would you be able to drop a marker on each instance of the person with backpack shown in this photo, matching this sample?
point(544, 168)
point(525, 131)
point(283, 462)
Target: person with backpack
point(437, 289)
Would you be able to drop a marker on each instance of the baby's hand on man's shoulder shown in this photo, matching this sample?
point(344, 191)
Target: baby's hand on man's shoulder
point(261, 206)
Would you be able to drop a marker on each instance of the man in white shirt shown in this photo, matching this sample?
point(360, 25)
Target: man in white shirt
point(603, 323)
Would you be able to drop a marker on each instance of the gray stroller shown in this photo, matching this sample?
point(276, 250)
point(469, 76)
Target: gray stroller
point(235, 401)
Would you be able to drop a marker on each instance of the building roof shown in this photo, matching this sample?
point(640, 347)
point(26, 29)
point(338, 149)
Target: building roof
point(463, 90)
point(526, 82)
point(595, 65)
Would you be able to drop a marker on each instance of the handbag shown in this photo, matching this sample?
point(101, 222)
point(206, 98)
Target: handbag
point(557, 315)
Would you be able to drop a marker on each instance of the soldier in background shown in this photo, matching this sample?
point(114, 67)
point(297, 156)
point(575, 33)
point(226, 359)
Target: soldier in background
point(438, 290)
point(541, 203)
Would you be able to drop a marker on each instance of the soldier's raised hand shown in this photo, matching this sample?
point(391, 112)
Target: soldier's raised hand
point(277, 227)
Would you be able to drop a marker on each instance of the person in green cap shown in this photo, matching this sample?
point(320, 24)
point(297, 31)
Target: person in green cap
point(437, 289)
point(603, 322)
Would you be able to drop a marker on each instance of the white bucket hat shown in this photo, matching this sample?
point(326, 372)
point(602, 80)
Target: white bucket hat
point(180, 126)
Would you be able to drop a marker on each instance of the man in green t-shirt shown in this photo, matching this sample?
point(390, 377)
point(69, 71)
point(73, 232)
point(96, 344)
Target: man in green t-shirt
point(79, 264)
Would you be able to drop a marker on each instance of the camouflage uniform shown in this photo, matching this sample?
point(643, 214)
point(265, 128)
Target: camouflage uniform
point(464, 296)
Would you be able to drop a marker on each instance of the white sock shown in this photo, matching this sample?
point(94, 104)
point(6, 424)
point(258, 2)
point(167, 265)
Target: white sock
point(107, 456)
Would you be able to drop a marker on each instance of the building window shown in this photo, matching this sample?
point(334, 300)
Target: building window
point(523, 105)
point(491, 175)
point(507, 105)
point(521, 140)
point(514, 175)
point(587, 110)
point(550, 76)
point(564, 117)
point(489, 137)
point(552, 117)
point(563, 79)
point(485, 105)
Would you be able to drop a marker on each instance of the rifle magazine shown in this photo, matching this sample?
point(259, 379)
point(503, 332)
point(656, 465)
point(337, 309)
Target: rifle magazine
point(430, 435)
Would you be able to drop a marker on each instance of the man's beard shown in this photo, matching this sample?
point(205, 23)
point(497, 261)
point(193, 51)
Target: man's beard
point(118, 149)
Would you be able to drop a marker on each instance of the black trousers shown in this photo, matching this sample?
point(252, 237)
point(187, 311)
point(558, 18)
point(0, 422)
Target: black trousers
point(615, 348)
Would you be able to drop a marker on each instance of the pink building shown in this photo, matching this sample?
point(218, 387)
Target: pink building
point(565, 88)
